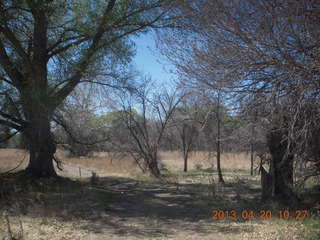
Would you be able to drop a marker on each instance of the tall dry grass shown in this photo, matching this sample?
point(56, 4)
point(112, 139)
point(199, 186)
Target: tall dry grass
point(112, 165)
point(173, 160)
point(11, 158)
point(107, 163)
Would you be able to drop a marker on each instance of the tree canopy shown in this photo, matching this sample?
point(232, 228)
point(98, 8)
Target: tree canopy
point(48, 47)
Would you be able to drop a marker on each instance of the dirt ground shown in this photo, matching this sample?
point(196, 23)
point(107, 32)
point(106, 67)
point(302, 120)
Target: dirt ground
point(179, 206)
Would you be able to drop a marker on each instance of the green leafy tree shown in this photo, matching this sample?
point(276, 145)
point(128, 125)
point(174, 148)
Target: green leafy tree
point(47, 48)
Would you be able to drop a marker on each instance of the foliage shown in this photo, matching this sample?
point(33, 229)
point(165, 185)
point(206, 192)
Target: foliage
point(47, 48)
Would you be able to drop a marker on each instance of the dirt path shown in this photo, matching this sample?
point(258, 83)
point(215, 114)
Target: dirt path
point(153, 210)
point(117, 208)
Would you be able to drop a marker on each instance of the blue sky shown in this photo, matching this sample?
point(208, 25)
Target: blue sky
point(149, 61)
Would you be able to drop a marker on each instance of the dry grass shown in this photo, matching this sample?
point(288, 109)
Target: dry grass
point(125, 166)
point(121, 207)
point(102, 162)
point(11, 158)
point(174, 161)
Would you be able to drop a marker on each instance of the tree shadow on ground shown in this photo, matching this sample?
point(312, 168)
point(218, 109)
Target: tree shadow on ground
point(124, 206)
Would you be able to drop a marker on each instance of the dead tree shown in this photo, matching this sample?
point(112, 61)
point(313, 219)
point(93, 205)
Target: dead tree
point(146, 118)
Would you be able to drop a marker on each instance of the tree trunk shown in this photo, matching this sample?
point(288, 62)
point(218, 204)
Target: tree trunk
point(153, 164)
point(185, 158)
point(266, 183)
point(37, 104)
point(41, 147)
point(281, 169)
point(220, 178)
point(252, 142)
point(154, 169)
point(251, 159)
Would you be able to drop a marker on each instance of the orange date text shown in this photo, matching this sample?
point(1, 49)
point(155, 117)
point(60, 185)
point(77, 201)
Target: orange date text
point(258, 214)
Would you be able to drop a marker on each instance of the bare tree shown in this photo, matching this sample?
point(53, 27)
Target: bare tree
point(219, 137)
point(268, 48)
point(78, 123)
point(213, 112)
point(186, 120)
point(146, 116)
